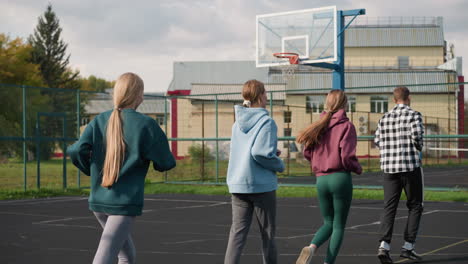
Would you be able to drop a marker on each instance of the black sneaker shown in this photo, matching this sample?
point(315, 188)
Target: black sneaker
point(410, 254)
point(384, 256)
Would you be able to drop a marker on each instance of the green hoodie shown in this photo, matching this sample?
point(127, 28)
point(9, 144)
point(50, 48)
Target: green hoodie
point(145, 142)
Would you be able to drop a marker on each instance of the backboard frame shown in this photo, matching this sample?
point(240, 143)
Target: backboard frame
point(302, 59)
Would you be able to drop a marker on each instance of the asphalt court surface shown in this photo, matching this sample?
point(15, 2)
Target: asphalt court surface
point(195, 229)
point(449, 177)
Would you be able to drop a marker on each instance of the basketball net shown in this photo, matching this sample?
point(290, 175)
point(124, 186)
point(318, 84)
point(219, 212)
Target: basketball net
point(288, 71)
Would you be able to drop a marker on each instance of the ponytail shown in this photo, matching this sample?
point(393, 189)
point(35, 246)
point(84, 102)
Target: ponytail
point(310, 136)
point(115, 149)
point(127, 91)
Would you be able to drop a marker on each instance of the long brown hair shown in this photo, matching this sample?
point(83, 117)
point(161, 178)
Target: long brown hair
point(252, 91)
point(127, 90)
point(336, 100)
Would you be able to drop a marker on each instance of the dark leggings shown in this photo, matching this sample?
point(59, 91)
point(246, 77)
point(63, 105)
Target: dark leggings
point(335, 192)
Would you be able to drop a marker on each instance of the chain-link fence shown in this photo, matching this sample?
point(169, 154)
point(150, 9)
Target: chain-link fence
point(37, 125)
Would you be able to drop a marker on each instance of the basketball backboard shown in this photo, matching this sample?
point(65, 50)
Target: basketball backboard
point(311, 33)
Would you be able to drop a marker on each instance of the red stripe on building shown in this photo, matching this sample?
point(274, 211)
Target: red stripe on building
point(174, 120)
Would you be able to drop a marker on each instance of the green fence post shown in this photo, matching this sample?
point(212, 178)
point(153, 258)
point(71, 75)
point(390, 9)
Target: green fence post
point(217, 141)
point(271, 104)
point(25, 179)
point(38, 151)
point(78, 122)
point(64, 150)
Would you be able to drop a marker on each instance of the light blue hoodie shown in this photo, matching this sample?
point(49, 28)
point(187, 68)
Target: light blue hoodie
point(253, 162)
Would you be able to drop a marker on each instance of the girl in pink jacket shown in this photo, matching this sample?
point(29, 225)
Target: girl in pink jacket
point(330, 146)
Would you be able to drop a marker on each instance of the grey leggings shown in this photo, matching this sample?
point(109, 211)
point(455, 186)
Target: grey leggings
point(116, 240)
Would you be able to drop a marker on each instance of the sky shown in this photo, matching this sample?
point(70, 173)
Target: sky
point(109, 37)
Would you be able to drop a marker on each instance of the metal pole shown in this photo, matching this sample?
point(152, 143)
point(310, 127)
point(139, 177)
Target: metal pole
point(165, 128)
point(426, 141)
point(78, 123)
point(203, 144)
point(25, 180)
point(338, 74)
point(217, 142)
point(368, 142)
point(289, 146)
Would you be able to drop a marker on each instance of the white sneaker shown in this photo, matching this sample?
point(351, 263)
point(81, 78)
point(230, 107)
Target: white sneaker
point(306, 255)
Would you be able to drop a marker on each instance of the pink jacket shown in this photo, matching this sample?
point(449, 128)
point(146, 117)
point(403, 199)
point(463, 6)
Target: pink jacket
point(336, 151)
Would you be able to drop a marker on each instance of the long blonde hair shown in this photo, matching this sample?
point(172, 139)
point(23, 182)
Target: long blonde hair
point(127, 90)
point(310, 136)
point(251, 91)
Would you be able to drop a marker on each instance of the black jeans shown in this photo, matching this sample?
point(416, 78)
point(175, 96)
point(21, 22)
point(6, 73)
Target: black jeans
point(394, 183)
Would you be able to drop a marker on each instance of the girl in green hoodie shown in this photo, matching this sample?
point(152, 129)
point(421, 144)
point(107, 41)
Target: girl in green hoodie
point(115, 150)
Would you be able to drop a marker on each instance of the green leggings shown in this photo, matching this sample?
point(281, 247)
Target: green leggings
point(335, 192)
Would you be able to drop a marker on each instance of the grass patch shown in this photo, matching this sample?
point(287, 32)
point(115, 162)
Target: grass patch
point(41, 193)
point(206, 189)
point(283, 191)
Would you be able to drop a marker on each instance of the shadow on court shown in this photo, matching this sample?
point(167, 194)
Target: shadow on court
point(194, 229)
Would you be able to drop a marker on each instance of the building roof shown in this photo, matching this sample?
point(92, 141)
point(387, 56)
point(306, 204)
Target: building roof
point(384, 82)
point(232, 92)
point(152, 104)
point(226, 72)
point(395, 32)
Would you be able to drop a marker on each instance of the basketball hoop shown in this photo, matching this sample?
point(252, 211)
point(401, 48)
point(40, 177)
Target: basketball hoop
point(288, 70)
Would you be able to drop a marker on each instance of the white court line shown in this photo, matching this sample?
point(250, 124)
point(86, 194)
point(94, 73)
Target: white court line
point(177, 200)
point(398, 218)
point(43, 200)
point(23, 214)
point(145, 211)
point(356, 226)
point(185, 207)
point(247, 254)
point(48, 201)
point(61, 220)
point(193, 241)
point(67, 226)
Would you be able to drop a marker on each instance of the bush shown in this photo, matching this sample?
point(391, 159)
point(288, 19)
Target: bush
point(200, 154)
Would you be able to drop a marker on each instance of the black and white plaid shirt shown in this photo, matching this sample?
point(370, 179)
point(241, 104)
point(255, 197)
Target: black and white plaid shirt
point(399, 137)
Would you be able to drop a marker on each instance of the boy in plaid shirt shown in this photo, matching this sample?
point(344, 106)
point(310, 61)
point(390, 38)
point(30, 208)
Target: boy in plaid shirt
point(399, 136)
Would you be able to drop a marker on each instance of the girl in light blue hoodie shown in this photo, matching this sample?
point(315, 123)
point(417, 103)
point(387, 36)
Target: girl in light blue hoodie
point(251, 176)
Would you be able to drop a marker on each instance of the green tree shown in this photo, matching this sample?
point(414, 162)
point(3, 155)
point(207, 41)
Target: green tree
point(16, 68)
point(49, 51)
point(93, 83)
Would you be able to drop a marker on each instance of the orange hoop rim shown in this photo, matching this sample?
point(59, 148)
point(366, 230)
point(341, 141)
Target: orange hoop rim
point(293, 57)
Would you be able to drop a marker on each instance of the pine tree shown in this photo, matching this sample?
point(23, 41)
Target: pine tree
point(49, 51)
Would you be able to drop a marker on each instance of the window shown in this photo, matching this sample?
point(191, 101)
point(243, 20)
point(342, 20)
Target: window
point(287, 116)
point(351, 104)
point(85, 120)
point(379, 104)
point(160, 119)
point(314, 104)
